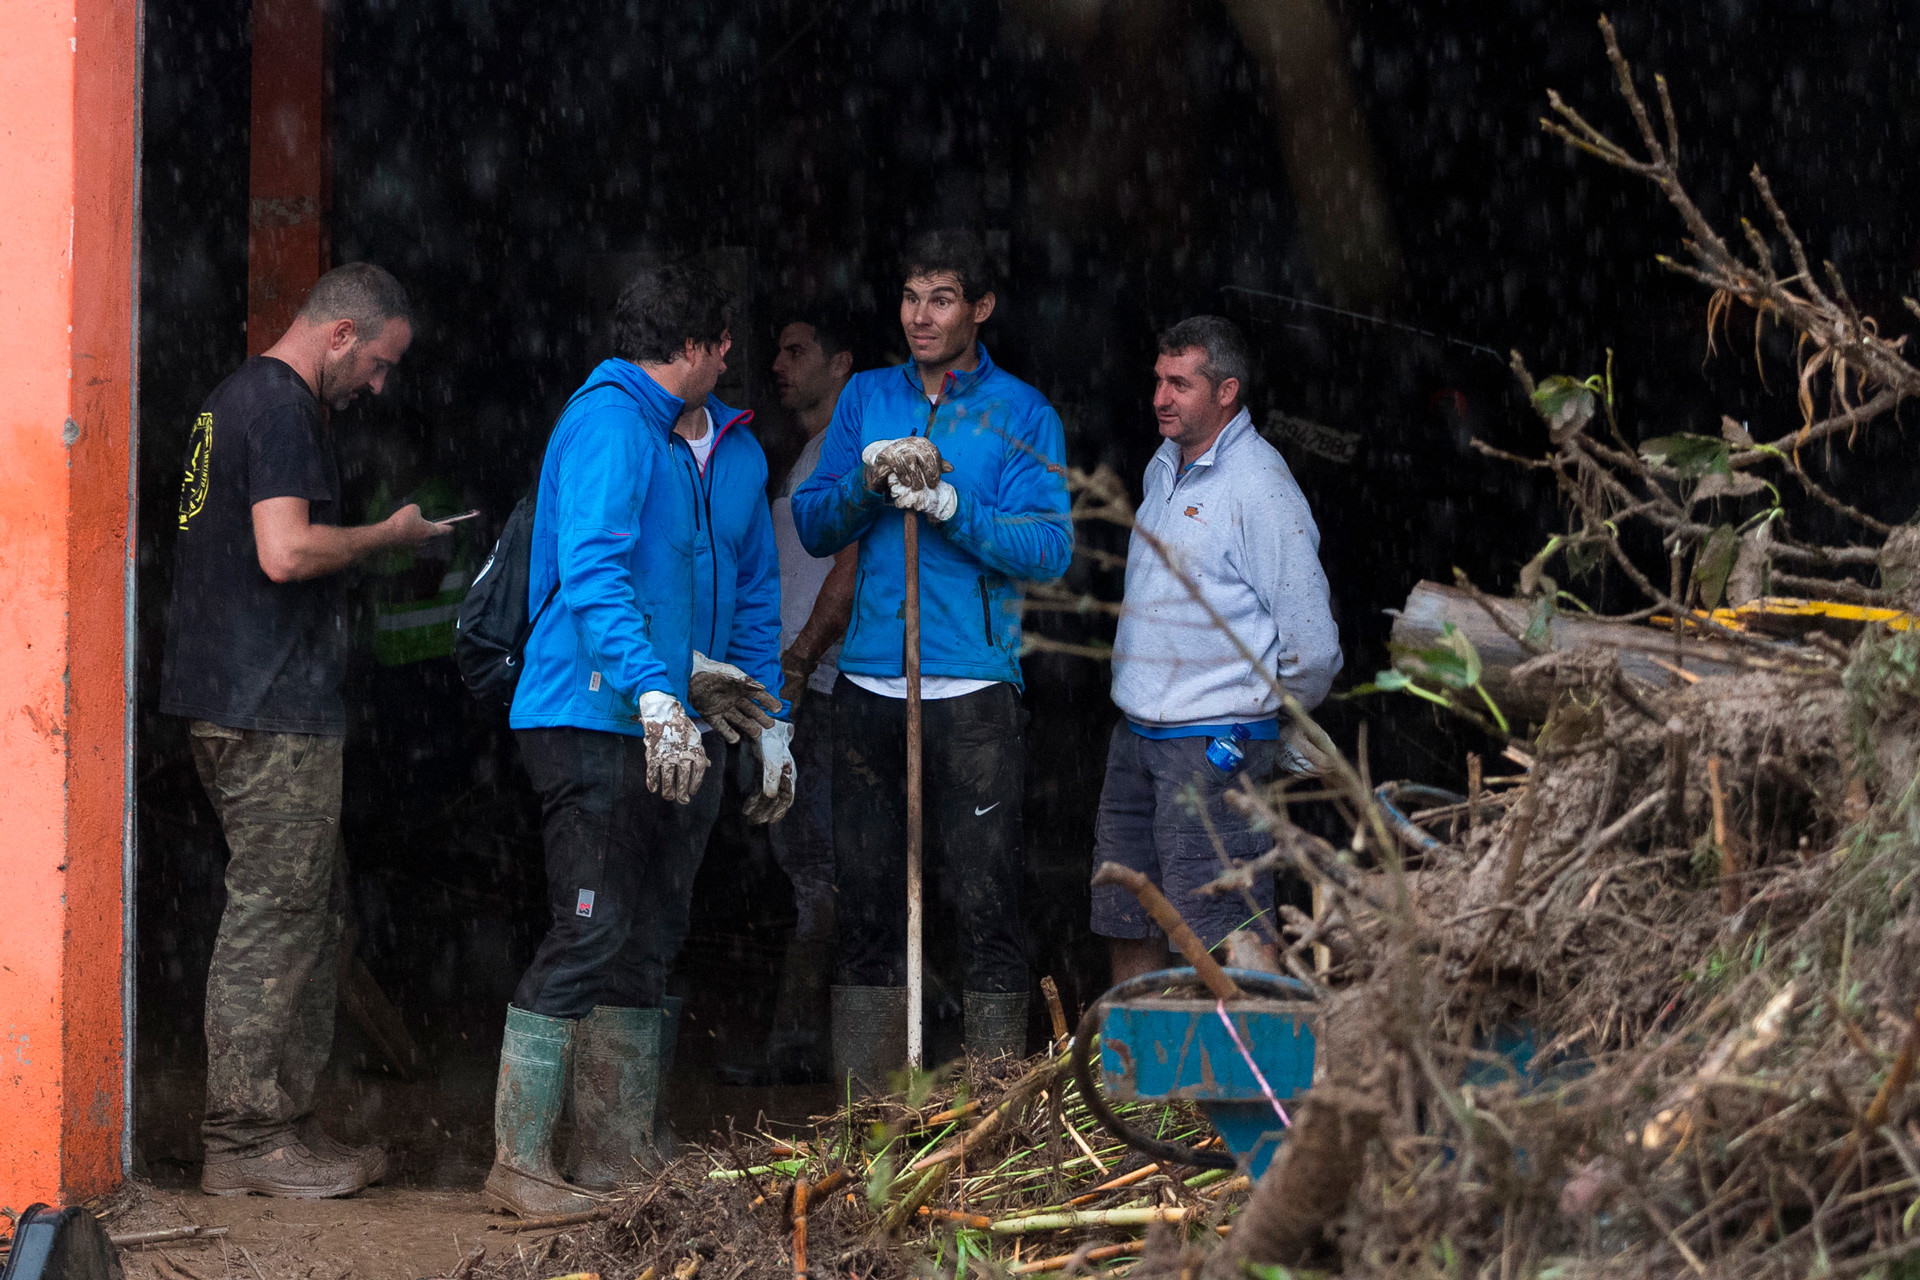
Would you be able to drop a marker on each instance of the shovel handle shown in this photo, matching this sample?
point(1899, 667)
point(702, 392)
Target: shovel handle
point(1164, 915)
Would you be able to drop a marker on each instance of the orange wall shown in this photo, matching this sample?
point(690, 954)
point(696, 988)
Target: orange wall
point(69, 126)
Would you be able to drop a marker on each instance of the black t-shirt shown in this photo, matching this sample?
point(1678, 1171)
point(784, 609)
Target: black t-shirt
point(243, 650)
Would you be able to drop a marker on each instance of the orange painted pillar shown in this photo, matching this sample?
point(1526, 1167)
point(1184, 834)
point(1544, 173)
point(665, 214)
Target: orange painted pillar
point(69, 129)
point(289, 165)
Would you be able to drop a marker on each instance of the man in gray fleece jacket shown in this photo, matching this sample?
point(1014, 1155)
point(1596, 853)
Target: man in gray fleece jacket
point(1227, 513)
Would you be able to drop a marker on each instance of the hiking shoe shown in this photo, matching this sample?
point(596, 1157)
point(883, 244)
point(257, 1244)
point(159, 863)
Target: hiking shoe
point(293, 1172)
point(371, 1159)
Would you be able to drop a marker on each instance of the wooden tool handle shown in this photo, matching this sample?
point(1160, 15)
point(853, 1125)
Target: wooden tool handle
point(1222, 987)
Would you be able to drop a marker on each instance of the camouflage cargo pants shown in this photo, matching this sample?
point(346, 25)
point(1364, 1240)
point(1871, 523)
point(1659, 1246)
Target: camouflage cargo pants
point(271, 986)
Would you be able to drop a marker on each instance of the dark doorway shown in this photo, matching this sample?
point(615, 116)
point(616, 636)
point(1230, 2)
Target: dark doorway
point(1129, 163)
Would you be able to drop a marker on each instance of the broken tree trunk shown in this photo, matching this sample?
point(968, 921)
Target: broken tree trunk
point(1646, 653)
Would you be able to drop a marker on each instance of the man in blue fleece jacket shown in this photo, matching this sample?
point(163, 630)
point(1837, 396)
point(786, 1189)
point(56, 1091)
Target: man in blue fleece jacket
point(980, 455)
point(600, 717)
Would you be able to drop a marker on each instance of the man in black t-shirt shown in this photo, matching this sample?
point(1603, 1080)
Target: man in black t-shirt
point(255, 656)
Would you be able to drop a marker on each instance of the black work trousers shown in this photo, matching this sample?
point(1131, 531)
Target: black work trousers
point(620, 869)
point(973, 770)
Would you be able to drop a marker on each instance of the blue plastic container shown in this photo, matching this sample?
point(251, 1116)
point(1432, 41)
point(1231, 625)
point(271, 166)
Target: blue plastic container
point(1163, 1048)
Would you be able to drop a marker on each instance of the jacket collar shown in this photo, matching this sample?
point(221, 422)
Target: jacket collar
point(658, 400)
point(1237, 426)
point(957, 383)
point(659, 404)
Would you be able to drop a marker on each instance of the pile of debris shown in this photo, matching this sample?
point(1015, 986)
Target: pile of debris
point(996, 1168)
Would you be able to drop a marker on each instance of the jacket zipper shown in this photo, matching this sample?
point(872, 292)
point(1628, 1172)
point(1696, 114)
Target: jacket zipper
point(713, 550)
point(986, 610)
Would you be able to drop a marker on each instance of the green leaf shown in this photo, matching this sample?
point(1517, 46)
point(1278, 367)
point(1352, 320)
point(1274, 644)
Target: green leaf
point(1564, 402)
point(1584, 557)
point(1691, 455)
point(1714, 564)
point(1540, 620)
point(1452, 662)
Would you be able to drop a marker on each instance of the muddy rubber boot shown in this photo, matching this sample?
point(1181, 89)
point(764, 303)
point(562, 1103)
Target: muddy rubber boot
point(534, 1059)
point(869, 1037)
point(995, 1023)
point(616, 1087)
point(663, 1139)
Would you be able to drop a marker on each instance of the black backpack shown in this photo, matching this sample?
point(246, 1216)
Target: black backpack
point(491, 633)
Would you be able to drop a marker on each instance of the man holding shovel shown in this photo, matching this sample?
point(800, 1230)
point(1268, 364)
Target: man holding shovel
point(951, 452)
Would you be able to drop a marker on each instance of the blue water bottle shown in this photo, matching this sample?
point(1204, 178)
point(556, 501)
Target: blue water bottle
point(1225, 752)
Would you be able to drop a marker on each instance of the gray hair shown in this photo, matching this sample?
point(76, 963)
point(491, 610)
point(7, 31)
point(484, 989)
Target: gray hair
point(1221, 340)
point(361, 292)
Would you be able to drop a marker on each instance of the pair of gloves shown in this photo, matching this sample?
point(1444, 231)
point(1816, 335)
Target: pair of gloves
point(735, 704)
point(908, 471)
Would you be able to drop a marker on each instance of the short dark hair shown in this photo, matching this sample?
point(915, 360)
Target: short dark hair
point(952, 249)
point(832, 324)
point(361, 292)
point(664, 308)
point(1224, 346)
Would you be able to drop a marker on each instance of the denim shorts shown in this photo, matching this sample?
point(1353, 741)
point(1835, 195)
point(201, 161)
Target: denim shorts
point(1151, 820)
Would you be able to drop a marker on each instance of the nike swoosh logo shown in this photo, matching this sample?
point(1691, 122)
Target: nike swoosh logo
point(989, 809)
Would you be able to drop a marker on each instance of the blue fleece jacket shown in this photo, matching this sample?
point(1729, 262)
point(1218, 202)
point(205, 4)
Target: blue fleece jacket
point(736, 613)
point(1011, 525)
point(618, 523)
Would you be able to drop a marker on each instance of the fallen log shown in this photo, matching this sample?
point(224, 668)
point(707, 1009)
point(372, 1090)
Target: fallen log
point(1645, 652)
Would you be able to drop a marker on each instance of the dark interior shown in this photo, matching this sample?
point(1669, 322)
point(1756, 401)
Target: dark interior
point(1127, 164)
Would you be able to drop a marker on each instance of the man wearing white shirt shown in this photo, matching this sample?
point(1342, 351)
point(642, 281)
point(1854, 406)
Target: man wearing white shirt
point(1224, 507)
point(812, 364)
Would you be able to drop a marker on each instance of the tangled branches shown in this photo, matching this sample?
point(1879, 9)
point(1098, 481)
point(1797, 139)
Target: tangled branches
point(1675, 482)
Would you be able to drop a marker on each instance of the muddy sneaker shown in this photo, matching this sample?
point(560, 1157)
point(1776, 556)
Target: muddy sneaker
point(292, 1172)
point(371, 1159)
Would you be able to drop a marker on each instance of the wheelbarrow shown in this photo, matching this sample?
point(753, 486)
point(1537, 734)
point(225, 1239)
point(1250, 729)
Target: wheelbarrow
point(1164, 1038)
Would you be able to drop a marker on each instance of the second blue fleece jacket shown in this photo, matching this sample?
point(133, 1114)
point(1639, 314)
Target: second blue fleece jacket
point(1008, 453)
point(619, 524)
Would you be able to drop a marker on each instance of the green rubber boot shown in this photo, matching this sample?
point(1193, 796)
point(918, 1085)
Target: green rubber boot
point(616, 1087)
point(995, 1023)
point(534, 1059)
point(670, 1007)
point(869, 1037)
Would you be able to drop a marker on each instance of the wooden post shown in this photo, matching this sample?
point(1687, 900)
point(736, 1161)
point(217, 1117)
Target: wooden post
point(289, 165)
point(916, 1034)
point(69, 230)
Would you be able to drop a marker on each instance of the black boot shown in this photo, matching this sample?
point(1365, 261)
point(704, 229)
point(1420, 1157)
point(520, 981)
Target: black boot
point(996, 1023)
point(869, 1036)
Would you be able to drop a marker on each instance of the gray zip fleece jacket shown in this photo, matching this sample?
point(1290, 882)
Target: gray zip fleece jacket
point(1237, 523)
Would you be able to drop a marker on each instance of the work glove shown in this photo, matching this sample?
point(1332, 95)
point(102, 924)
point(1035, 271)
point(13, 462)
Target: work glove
point(775, 797)
point(938, 503)
point(726, 697)
point(795, 671)
point(676, 763)
point(913, 461)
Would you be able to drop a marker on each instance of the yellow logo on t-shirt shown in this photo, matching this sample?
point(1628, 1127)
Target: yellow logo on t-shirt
point(193, 485)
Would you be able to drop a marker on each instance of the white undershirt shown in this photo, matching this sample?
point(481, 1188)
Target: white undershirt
point(932, 688)
point(703, 447)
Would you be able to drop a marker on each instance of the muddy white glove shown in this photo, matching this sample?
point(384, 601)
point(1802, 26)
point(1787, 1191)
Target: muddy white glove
point(729, 698)
point(775, 796)
point(939, 502)
point(676, 763)
point(913, 461)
